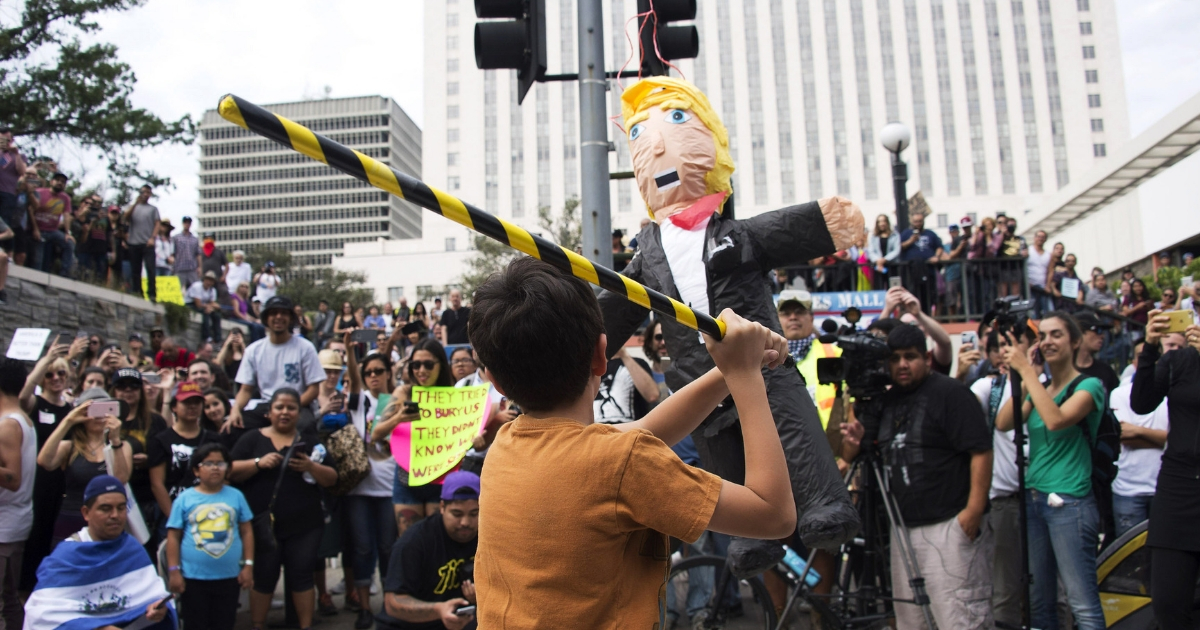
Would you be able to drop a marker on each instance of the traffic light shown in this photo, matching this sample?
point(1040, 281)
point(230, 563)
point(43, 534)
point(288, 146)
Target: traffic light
point(517, 42)
point(674, 41)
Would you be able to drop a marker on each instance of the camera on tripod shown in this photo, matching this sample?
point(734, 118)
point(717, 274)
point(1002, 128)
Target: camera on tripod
point(863, 364)
point(1011, 315)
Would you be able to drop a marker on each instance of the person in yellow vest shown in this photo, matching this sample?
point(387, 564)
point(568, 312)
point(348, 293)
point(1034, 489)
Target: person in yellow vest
point(796, 318)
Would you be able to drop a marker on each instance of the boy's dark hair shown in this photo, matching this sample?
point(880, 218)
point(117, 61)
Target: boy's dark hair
point(535, 328)
point(208, 448)
point(905, 336)
point(12, 376)
point(884, 325)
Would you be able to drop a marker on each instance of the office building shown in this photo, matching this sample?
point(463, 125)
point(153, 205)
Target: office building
point(1008, 102)
point(257, 193)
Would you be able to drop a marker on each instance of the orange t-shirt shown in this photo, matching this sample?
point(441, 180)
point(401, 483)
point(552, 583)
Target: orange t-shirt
point(573, 525)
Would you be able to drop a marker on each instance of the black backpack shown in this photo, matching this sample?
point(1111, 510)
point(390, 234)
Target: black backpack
point(1106, 444)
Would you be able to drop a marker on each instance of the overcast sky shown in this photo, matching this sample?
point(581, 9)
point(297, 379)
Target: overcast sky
point(188, 53)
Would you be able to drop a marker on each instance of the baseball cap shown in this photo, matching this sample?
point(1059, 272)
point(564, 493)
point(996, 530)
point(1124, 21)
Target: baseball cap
point(187, 219)
point(460, 485)
point(61, 176)
point(270, 263)
point(210, 275)
point(102, 484)
point(804, 298)
point(188, 389)
point(136, 337)
point(1088, 321)
point(126, 374)
point(96, 394)
point(953, 227)
point(330, 359)
point(966, 222)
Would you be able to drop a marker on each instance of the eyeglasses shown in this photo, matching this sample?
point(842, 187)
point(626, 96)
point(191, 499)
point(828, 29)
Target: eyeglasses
point(428, 365)
point(375, 372)
point(94, 342)
point(463, 362)
point(217, 465)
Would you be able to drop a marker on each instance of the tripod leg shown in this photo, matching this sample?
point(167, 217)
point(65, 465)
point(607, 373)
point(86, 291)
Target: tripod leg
point(904, 546)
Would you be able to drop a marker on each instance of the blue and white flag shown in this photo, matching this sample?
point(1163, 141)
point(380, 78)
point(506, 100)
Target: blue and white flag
point(86, 585)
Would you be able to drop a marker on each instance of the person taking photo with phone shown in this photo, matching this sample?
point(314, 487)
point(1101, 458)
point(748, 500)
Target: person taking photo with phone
point(1174, 548)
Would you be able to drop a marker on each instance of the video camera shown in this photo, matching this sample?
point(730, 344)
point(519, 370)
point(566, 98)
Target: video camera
point(1011, 315)
point(863, 364)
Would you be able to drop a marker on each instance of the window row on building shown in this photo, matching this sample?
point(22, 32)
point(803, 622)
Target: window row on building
point(264, 146)
point(316, 169)
point(299, 216)
point(278, 159)
point(294, 231)
point(343, 182)
point(319, 124)
point(293, 202)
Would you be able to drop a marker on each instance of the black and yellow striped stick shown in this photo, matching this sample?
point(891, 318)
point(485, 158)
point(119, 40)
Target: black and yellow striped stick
point(298, 138)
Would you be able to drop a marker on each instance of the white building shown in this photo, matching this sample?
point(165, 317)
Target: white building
point(254, 192)
point(1009, 101)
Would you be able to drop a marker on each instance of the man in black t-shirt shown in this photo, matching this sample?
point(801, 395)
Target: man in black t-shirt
point(936, 450)
point(454, 321)
point(169, 453)
point(431, 571)
point(1093, 342)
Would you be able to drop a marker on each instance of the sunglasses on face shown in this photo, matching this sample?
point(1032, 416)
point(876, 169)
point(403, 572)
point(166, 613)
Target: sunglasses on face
point(1169, 296)
point(128, 387)
point(658, 337)
point(375, 372)
point(58, 374)
point(428, 365)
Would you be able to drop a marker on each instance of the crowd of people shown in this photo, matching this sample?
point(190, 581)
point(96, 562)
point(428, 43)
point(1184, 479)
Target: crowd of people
point(226, 455)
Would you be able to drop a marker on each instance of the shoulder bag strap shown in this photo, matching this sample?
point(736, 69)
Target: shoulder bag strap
point(282, 471)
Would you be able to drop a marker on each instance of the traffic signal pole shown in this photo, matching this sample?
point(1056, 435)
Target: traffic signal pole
point(593, 132)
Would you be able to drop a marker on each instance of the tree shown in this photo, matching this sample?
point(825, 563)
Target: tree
point(492, 256)
point(55, 88)
point(332, 285)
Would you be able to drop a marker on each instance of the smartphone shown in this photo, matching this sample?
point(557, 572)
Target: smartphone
point(80, 334)
point(152, 378)
point(970, 339)
point(106, 408)
point(1180, 320)
point(664, 363)
point(411, 407)
point(64, 339)
point(894, 281)
point(166, 599)
point(364, 336)
point(464, 611)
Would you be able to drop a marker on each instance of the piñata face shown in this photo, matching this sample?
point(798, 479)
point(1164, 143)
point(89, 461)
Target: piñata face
point(672, 153)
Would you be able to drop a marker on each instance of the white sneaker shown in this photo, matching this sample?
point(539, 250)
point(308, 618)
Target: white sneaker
point(339, 588)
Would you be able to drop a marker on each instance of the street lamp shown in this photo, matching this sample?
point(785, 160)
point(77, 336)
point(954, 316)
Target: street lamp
point(895, 137)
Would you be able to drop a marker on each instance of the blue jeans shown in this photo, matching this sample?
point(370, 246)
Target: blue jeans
point(44, 253)
point(1129, 511)
point(1062, 545)
point(372, 533)
point(210, 324)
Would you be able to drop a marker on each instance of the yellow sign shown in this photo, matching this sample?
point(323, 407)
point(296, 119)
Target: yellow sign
point(168, 289)
point(451, 417)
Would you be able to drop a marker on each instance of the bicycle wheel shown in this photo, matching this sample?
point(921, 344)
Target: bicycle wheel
point(690, 596)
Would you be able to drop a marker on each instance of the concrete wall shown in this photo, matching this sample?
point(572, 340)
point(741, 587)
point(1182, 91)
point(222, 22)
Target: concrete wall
point(40, 300)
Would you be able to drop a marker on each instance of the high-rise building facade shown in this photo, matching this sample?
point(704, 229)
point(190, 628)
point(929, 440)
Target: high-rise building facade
point(1008, 100)
point(254, 192)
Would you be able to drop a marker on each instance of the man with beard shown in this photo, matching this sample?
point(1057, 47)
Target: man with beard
point(430, 575)
point(52, 226)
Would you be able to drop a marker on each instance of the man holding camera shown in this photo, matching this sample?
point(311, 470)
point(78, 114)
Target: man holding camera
point(430, 578)
point(936, 451)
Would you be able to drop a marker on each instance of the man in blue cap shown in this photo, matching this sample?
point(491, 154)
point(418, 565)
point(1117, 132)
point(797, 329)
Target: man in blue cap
point(430, 581)
point(100, 573)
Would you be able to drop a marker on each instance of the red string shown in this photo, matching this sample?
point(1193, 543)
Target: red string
point(641, 54)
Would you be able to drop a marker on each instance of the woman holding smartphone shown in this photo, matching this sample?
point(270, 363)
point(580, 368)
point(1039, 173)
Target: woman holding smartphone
point(297, 516)
point(77, 448)
point(1174, 549)
point(427, 367)
point(1063, 518)
point(369, 511)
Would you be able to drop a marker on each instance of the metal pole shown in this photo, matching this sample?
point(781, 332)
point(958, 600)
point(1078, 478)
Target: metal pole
point(899, 189)
point(593, 131)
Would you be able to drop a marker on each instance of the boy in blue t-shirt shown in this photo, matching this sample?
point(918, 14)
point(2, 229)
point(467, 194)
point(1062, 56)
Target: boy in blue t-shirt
point(210, 544)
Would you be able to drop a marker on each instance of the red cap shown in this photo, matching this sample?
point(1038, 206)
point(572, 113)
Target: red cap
point(188, 389)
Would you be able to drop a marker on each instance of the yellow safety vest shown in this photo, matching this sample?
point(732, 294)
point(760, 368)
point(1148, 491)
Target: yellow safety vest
point(823, 395)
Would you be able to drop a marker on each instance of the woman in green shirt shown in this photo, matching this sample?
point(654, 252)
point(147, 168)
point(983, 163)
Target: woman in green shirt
point(1061, 509)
